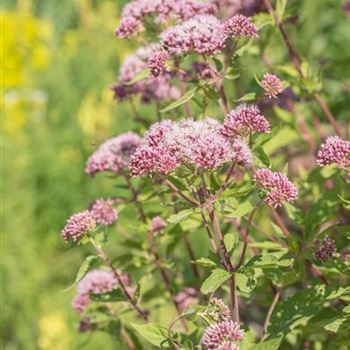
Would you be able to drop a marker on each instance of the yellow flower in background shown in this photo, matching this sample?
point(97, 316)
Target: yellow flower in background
point(95, 114)
point(53, 332)
point(24, 47)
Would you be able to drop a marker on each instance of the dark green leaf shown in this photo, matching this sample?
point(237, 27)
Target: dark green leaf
point(214, 281)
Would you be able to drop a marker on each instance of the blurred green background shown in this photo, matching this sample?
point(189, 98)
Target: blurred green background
point(60, 57)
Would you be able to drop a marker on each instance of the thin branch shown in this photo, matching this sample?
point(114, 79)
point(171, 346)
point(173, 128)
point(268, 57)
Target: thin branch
point(279, 221)
point(103, 256)
point(296, 62)
point(270, 312)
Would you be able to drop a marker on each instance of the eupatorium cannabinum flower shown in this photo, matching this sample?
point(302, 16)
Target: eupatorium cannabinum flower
point(97, 282)
point(240, 25)
point(221, 311)
point(157, 224)
point(156, 62)
point(244, 120)
point(279, 188)
point(202, 34)
point(114, 154)
point(324, 250)
point(152, 88)
point(222, 335)
point(185, 298)
point(272, 85)
point(78, 225)
point(334, 151)
point(103, 212)
point(136, 11)
point(200, 143)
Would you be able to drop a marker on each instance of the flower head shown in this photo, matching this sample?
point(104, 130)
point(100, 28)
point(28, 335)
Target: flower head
point(280, 188)
point(157, 61)
point(222, 335)
point(334, 151)
point(242, 155)
point(81, 302)
point(244, 120)
point(221, 311)
point(103, 212)
point(202, 34)
point(185, 298)
point(77, 226)
point(324, 250)
point(157, 224)
point(114, 154)
point(97, 282)
point(128, 26)
point(240, 25)
point(272, 85)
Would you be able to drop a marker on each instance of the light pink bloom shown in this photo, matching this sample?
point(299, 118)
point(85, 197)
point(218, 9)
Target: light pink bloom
point(143, 161)
point(156, 62)
point(202, 34)
point(156, 133)
point(324, 250)
point(187, 297)
point(280, 188)
point(103, 212)
point(240, 25)
point(242, 155)
point(77, 226)
point(97, 282)
point(128, 26)
point(81, 302)
point(221, 335)
point(272, 85)
point(244, 120)
point(334, 151)
point(114, 154)
point(221, 311)
point(157, 224)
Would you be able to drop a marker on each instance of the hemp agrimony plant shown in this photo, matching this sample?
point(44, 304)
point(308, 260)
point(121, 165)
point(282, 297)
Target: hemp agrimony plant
point(223, 241)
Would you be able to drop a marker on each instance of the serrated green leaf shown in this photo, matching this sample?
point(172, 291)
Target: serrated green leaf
point(153, 333)
point(214, 281)
point(140, 76)
point(230, 240)
point(179, 102)
point(205, 262)
point(180, 216)
point(280, 9)
point(241, 210)
point(247, 97)
point(87, 264)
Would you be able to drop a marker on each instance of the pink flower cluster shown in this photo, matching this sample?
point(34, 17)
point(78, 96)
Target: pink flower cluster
point(222, 336)
point(244, 120)
point(77, 226)
point(157, 87)
point(103, 212)
point(168, 144)
point(324, 250)
point(137, 11)
point(272, 85)
point(96, 282)
point(204, 34)
point(157, 224)
point(334, 151)
point(188, 296)
point(114, 154)
point(240, 25)
point(220, 312)
point(280, 188)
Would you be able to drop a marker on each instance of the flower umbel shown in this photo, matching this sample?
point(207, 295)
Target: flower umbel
point(280, 188)
point(244, 120)
point(103, 212)
point(78, 225)
point(222, 335)
point(272, 85)
point(240, 25)
point(334, 151)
